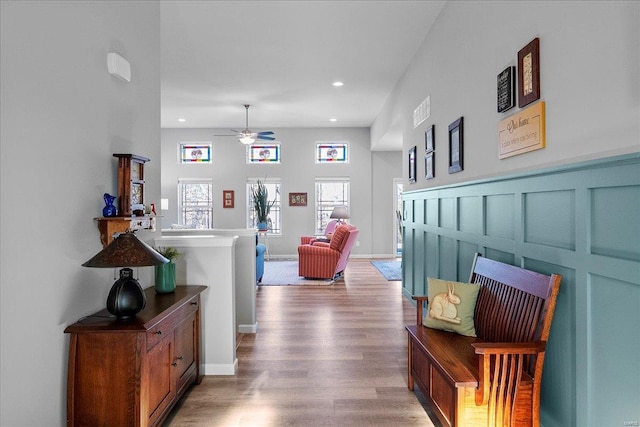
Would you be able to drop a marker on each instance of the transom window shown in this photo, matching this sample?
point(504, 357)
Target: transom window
point(274, 220)
point(330, 193)
point(195, 203)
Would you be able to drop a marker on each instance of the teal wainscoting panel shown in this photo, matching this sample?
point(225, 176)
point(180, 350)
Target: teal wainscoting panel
point(470, 214)
point(501, 256)
point(466, 254)
point(448, 259)
point(614, 374)
point(431, 255)
point(448, 217)
point(560, 367)
point(432, 212)
point(580, 221)
point(615, 225)
point(418, 263)
point(550, 219)
point(500, 215)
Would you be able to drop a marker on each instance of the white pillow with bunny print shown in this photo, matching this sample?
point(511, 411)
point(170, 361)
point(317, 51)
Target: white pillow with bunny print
point(451, 306)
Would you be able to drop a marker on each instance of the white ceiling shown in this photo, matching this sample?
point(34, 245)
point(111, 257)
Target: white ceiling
point(282, 57)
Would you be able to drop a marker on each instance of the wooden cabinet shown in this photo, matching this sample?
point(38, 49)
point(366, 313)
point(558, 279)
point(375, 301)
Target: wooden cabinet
point(132, 372)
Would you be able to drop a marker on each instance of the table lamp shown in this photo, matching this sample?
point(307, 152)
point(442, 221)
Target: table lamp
point(339, 213)
point(126, 297)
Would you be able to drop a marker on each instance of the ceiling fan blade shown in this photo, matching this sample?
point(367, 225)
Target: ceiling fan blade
point(265, 138)
point(266, 133)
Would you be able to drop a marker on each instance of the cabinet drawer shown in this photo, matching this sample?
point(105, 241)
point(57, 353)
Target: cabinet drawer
point(163, 328)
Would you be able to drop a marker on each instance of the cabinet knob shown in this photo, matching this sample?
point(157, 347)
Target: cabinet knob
point(174, 364)
point(180, 357)
point(194, 302)
point(158, 332)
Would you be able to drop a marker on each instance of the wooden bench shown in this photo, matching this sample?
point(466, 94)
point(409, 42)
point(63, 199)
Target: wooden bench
point(493, 379)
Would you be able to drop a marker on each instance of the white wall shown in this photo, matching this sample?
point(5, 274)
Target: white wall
point(590, 80)
point(298, 172)
point(62, 117)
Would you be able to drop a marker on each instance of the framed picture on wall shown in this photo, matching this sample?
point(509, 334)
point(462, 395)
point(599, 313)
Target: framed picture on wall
point(228, 198)
point(430, 165)
point(455, 146)
point(412, 164)
point(297, 199)
point(429, 138)
point(529, 73)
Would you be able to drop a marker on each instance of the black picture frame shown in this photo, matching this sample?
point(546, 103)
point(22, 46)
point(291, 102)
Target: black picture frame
point(506, 89)
point(430, 138)
point(456, 139)
point(412, 164)
point(430, 165)
point(529, 73)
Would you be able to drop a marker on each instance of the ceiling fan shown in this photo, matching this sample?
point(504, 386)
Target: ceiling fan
point(246, 136)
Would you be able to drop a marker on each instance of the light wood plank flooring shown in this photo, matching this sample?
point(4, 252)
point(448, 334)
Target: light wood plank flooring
point(323, 356)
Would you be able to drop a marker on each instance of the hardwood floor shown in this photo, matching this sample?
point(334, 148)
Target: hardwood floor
point(323, 356)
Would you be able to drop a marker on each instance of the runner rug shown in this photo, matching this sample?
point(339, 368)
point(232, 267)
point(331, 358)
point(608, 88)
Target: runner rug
point(391, 270)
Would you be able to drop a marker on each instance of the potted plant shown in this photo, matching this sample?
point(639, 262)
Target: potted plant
point(166, 273)
point(261, 204)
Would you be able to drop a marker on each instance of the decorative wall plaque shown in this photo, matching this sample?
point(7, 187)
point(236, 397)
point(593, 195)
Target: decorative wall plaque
point(529, 73)
point(522, 132)
point(506, 89)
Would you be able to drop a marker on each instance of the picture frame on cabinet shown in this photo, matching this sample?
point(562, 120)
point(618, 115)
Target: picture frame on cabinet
point(456, 139)
point(412, 164)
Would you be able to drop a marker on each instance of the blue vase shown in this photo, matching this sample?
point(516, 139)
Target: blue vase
point(263, 226)
point(109, 209)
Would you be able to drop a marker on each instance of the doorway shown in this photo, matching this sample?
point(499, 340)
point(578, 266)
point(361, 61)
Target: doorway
point(397, 216)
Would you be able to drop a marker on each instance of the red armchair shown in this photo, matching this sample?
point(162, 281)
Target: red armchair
point(327, 260)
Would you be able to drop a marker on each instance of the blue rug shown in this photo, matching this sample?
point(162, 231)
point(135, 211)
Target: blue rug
point(391, 270)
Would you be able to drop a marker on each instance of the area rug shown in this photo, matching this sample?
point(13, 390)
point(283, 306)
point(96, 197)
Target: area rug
point(391, 270)
point(283, 273)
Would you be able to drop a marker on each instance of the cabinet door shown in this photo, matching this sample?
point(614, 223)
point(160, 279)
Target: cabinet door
point(161, 387)
point(185, 351)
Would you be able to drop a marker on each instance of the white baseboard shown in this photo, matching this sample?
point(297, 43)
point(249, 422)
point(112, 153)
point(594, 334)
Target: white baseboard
point(220, 369)
point(248, 329)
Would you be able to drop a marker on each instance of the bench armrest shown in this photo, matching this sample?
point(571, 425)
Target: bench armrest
point(507, 360)
point(420, 300)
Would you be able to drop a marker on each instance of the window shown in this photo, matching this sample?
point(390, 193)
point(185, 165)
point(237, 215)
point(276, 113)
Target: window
point(195, 203)
point(329, 194)
point(332, 152)
point(274, 221)
point(263, 153)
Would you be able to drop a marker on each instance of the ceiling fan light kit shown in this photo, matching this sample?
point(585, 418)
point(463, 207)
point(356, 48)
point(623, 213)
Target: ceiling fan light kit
point(247, 137)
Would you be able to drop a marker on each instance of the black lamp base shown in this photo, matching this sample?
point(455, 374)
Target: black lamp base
point(126, 297)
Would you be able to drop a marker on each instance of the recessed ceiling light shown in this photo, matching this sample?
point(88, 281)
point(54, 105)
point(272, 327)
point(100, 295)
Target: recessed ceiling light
point(182, 120)
point(333, 120)
point(338, 84)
